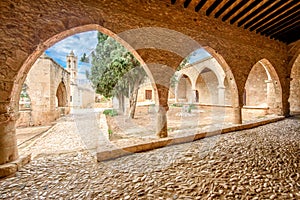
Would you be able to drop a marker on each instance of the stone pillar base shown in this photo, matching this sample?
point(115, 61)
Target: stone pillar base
point(11, 168)
point(237, 115)
point(162, 124)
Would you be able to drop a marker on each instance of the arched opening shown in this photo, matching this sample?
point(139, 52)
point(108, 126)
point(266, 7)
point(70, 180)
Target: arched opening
point(61, 95)
point(207, 85)
point(61, 91)
point(184, 90)
point(207, 69)
point(25, 108)
point(209, 100)
point(231, 90)
point(262, 91)
point(295, 87)
point(56, 38)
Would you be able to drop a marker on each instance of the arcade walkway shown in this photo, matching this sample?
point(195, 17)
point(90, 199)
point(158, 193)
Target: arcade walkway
point(260, 163)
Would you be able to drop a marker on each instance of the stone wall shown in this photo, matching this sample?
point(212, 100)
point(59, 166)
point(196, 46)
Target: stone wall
point(256, 87)
point(184, 90)
point(238, 47)
point(30, 27)
point(42, 82)
point(228, 95)
point(142, 92)
point(295, 86)
point(88, 98)
point(207, 85)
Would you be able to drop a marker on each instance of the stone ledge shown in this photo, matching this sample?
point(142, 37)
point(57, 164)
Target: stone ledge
point(12, 167)
point(115, 153)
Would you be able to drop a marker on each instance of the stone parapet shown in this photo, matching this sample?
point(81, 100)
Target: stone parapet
point(162, 142)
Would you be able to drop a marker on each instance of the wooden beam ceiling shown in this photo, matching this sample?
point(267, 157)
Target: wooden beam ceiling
point(277, 19)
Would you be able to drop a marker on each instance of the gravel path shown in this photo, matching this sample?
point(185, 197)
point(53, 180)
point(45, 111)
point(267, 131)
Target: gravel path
point(260, 163)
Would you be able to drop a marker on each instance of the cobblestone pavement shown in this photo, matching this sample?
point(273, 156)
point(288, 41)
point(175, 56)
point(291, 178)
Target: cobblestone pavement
point(75, 132)
point(260, 163)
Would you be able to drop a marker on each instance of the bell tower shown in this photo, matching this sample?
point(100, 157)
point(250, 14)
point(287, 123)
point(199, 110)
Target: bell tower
point(72, 66)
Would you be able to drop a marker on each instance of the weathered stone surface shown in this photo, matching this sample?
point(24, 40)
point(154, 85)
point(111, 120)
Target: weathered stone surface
point(24, 35)
point(258, 163)
point(237, 46)
point(8, 169)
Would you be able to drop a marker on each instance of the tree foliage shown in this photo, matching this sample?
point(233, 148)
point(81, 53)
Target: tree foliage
point(115, 71)
point(84, 58)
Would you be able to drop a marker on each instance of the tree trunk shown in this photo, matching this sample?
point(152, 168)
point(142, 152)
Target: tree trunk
point(121, 103)
point(133, 100)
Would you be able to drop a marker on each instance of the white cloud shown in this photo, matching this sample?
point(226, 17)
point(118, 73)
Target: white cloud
point(80, 43)
point(198, 55)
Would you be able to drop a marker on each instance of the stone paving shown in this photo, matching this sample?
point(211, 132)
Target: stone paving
point(260, 163)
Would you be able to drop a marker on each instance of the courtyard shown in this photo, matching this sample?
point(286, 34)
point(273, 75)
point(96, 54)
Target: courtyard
point(224, 77)
point(258, 163)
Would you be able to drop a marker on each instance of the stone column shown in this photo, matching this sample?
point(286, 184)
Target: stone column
point(237, 110)
point(271, 99)
point(176, 93)
point(193, 100)
point(221, 95)
point(10, 162)
point(237, 115)
point(8, 140)
point(162, 125)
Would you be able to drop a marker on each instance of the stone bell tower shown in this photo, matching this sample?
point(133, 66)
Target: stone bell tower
point(72, 66)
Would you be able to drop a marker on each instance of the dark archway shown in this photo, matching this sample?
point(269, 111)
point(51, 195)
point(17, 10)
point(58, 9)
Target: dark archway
point(61, 95)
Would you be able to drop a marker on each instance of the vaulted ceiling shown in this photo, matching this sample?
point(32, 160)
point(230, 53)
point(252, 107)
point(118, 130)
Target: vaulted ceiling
point(277, 19)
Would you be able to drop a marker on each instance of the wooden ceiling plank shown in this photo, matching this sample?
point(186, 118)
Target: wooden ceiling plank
point(208, 4)
point(223, 2)
point(275, 22)
point(224, 8)
point(255, 12)
point(273, 15)
point(213, 7)
point(285, 29)
point(263, 14)
point(248, 7)
point(186, 3)
point(199, 5)
point(235, 9)
point(282, 23)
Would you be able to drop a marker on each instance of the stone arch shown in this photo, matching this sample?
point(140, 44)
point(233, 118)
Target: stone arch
point(208, 86)
point(294, 98)
point(183, 89)
point(61, 95)
point(236, 102)
point(20, 78)
point(227, 86)
point(263, 84)
point(217, 70)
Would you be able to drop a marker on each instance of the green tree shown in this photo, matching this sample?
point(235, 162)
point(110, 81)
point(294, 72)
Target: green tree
point(84, 58)
point(115, 72)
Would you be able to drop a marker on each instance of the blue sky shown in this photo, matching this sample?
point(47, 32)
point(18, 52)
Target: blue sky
point(86, 42)
point(80, 43)
point(198, 55)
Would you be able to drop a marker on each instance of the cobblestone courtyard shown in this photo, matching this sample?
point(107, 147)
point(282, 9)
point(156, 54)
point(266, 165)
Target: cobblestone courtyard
point(260, 163)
